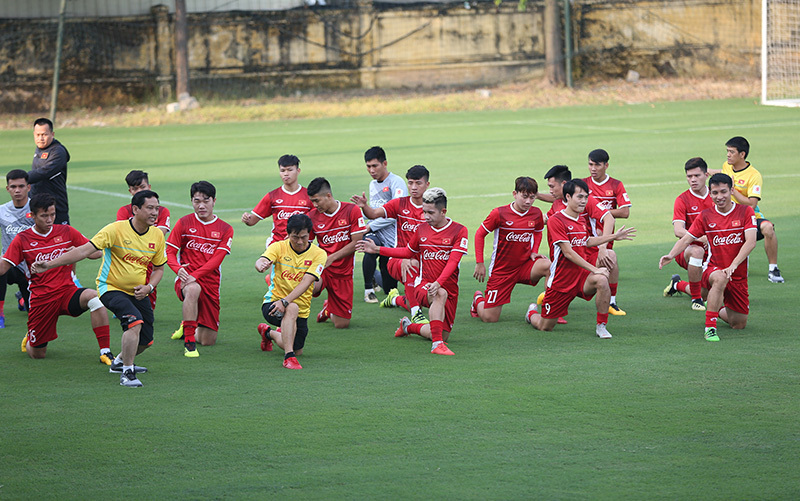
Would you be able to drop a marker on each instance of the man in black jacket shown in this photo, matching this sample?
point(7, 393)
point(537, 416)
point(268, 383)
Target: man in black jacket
point(48, 172)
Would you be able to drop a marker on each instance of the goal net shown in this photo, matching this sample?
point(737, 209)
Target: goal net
point(780, 52)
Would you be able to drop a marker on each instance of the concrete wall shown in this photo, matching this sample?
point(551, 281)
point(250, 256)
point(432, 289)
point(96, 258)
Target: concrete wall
point(118, 60)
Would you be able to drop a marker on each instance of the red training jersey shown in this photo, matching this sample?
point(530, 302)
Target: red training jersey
point(30, 246)
point(609, 194)
point(408, 216)
point(126, 212)
point(197, 241)
point(334, 231)
point(516, 236)
point(434, 245)
point(281, 205)
point(590, 216)
point(564, 274)
point(725, 233)
point(688, 206)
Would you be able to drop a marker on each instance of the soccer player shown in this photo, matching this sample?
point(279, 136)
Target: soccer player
point(53, 293)
point(517, 229)
point(137, 181)
point(282, 202)
point(599, 255)
point(731, 231)
point(688, 206)
point(747, 183)
point(384, 187)
point(610, 195)
point(15, 216)
point(296, 265)
point(337, 228)
point(195, 250)
point(408, 213)
point(439, 246)
point(48, 172)
point(572, 274)
point(128, 247)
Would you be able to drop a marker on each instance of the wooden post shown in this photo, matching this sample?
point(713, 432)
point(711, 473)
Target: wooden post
point(181, 51)
point(163, 48)
point(57, 66)
point(553, 51)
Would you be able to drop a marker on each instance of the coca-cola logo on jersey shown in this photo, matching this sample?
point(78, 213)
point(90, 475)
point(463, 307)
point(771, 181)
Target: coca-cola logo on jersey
point(50, 255)
point(579, 242)
point(409, 227)
point(204, 247)
point(130, 258)
point(605, 204)
point(293, 277)
point(13, 230)
point(518, 237)
point(731, 239)
point(439, 255)
point(286, 214)
point(342, 236)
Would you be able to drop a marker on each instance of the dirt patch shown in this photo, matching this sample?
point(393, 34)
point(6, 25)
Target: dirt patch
point(512, 96)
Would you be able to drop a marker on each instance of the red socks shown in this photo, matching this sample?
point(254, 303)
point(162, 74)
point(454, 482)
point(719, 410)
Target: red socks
point(602, 318)
point(401, 302)
point(415, 329)
point(711, 318)
point(613, 289)
point(189, 327)
point(694, 289)
point(437, 326)
point(103, 336)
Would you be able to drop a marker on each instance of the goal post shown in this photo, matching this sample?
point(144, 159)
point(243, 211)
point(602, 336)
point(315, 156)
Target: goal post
point(780, 52)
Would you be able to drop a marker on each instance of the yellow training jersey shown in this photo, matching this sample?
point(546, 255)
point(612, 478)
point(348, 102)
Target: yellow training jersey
point(747, 182)
point(289, 268)
point(126, 255)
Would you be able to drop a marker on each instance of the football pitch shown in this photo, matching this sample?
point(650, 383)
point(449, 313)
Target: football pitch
point(655, 412)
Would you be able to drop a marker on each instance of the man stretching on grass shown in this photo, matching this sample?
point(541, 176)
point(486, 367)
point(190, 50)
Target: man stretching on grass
point(572, 275)
point(731, 232)
point(128, 247)
point(295, 265)
point(439, 245)
point(53, 293)
point(517, 229)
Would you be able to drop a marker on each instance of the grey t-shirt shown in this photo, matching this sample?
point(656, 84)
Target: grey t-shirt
point(14, 220)
point(380, 193)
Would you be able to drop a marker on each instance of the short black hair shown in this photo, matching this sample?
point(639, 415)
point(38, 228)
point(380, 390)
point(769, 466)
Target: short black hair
point(17, 174)
point(559, 173)
point(740, 144)
point(598, 156)
point(135, 178)
point(375, 152)
point(525, 184)
point(695, 163)
point(569, 187)
point(720, 178)
point(203, 187)
point(140, 196)
point(418, 172)
point(287, 160)
point(41, 201)
point(318, 185)
point(297, 223)
point(43, 121)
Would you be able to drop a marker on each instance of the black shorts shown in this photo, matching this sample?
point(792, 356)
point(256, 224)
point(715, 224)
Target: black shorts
point(302, 326)
point(759, 235)
point(131, 312)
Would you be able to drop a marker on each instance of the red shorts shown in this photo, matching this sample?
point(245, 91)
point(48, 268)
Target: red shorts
point(43, 316)
point(680, 260)
point(340, 294)
point(592, 253)
point(735, 296)
point(207, 305)
point(500, 284)
point(556, 304)
point(421, 295)
point(396, 271)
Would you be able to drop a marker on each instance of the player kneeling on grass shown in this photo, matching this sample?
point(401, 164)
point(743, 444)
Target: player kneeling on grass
point(128, 247)
point(517, 231)
point(203, 240)
point(296, 264)
point(573, 276)
point(439, 246)
point(53, 293)
point(731, 231)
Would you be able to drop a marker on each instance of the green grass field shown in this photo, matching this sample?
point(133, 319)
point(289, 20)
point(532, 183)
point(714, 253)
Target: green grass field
point(656, 412)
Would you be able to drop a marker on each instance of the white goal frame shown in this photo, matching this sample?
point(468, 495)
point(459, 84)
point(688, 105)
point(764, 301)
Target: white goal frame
point(769, 52)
